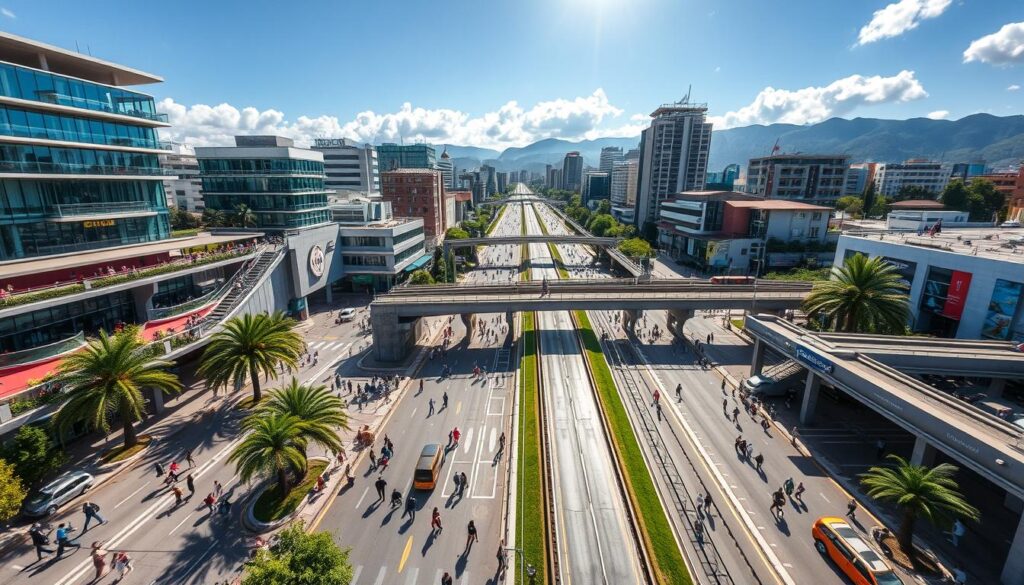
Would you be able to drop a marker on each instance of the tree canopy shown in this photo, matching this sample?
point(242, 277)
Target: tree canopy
point(12, 492)
point(299, 558)
point(863, 296)
point(421, 277)
point(636, 248)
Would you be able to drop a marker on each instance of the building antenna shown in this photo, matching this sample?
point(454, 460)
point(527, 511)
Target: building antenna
point(775, 148)
point(77, 50)
point(686, 98)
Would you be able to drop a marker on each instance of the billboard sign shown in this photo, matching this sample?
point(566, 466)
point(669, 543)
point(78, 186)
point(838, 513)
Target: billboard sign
point(959, 284)
point(905, 268)
point(814, 360)
point(1001, 309)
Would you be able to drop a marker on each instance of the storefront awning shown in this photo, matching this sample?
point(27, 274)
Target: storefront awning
point(419, 262)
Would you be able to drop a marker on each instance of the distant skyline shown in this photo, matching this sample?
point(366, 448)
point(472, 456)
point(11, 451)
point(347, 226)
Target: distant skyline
point(502, 74)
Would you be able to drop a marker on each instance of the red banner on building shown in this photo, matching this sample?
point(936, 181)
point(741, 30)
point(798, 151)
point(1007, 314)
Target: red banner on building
point(959, 284)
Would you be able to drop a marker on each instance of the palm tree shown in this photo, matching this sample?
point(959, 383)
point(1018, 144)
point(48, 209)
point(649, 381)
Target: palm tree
point(918, 491)
point(248, 347)
point(272, 446)
point(319, 412)
point(107, 378)
point(213, 217)
point(244, 216)
point(864, 295)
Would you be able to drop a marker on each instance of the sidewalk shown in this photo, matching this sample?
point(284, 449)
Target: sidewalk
point(732, 354)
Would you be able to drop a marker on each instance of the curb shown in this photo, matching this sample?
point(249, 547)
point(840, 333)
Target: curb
point(249, 521)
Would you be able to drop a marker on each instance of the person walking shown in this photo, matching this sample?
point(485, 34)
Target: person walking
point(657, 396)
point(679, 392)
point(123, 564)
point(209, 500)
point(723, 385)
point(958, 529)
point(39, 541)
point(430, 404)
point(435, 521)
point(759, 461)
point(410, 508)
point(188, 457)
point(455, 435)
point(735, 414)
point(99, 560)
point(381, 485)
point(788, 486)
point(159, 469)
point(463, 482)
point(444, 401)
point(177, 496)
point(707, 502)
point(218, 489)
point(63, 530)
point(799, 493)
point(92, 512)
point(190, 483)
point(501, 442)
point(851, 509)
point(446, 579)
point(471, 535)
point(373, 459)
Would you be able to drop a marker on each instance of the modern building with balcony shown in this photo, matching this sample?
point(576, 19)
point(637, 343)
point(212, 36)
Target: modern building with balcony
point(85, 243)
point(282, 185)
point(735, 233)
point(184, 189)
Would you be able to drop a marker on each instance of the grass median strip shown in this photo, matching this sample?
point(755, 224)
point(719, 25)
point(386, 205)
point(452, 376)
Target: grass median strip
point(530, 532)
point(666, 558)
point(496, 221)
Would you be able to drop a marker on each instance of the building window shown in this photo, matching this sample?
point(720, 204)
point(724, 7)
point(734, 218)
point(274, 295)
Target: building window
point(814, 232)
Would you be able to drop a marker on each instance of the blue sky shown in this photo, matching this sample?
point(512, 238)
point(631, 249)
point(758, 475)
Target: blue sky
point(496, 73)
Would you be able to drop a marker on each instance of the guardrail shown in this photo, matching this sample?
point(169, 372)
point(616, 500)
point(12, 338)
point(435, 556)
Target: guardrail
point(164, 312)
point(74, 209)
point(34, 354)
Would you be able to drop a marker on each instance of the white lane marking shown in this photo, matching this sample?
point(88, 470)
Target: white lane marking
point(380, 577)
point(824, 498)
point(494, 439)
point(365, 489)
point(355, 575)
point(466, 440)
point(413, 573)
point(413, 415)
point(187, 516)
point(116, 506)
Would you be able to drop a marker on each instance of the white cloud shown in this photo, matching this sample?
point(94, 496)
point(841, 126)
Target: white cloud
point(8, 13)
point(1013, 87)
point(814, 104)
point(938, 115)
point(899, 17)
point(1002, 47)
point(509, 125)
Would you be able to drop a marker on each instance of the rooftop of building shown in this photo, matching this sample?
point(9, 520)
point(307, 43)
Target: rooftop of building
point(923, 204)
point(801, 155)
point(683, 106)
point(25, 266)
point(778, 204)
point(715, 195)
point(994, 243)
point(30, 53)
point(411, 171)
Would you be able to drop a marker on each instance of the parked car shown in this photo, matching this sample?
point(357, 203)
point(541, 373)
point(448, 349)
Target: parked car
point(347, 314)
point(838, 541)
point(48, 498)
point(762, 385)
point(1010, 223)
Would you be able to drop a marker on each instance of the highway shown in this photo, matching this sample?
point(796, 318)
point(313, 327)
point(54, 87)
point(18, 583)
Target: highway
point(390, 548)
point(595, 542)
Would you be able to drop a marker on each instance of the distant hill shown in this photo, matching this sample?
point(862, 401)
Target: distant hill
point(999, 141)
point(996, 140)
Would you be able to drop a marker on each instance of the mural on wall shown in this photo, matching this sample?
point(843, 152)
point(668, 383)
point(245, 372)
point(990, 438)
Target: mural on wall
point(1001, 309)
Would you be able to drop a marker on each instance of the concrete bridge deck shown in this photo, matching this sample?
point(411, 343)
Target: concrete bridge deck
point(533, 239)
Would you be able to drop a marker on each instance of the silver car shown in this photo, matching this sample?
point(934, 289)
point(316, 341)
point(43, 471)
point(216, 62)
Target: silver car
point(48, 498)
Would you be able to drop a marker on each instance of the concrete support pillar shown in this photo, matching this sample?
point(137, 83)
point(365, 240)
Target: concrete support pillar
point(329, 293)
point(142, 296)
point(467, 320)
point(392, 339)
point(156, 401)
point(677, 320)
point(758, 362)
point(923, 454)
point(629, 318)
point(1013, 569)
point(810, 400)
point(995, 387)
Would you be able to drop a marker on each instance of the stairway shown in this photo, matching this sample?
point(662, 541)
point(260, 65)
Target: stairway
point(242, 283)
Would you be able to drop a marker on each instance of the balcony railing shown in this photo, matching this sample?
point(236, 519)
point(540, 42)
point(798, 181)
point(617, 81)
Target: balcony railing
point(80, 169)
point(61, 99)
point(22, 131)
point(259, 172)
point(34, 354)
point(164, 312)
point(77, 209)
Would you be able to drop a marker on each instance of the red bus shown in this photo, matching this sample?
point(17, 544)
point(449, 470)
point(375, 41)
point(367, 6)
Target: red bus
point(732, 280)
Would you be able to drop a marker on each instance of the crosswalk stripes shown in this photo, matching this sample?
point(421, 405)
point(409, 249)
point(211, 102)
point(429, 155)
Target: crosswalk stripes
point(411, 576)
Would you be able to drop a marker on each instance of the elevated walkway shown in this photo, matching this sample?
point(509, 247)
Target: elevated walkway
point(532, 239)
point(981, 441)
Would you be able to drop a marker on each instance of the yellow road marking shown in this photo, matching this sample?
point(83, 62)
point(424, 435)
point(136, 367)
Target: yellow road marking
point(405, 554)
point(458, 407)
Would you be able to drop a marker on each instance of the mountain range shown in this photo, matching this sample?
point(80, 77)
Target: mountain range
point(996, 140)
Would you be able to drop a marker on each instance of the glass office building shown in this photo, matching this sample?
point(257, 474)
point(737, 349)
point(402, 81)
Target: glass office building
point(282, 185)
point(392, 156)
point(78, 160)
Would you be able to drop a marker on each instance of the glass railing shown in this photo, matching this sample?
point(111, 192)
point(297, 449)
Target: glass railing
point(76, 209)
point(34, 354)
point(97, 106)
point(164, 312)
point(22, 131)
point(258, 172)
point(80, 169)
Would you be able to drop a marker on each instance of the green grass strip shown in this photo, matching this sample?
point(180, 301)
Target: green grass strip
point(530, 534)
point(270, 506)
point(666, 558)
point(497, 220)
